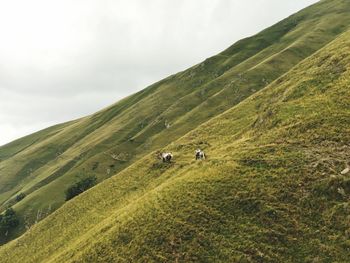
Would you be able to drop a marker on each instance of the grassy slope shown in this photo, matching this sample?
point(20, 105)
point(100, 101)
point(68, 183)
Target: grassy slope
point(17, 146)
point(271, 189)
point(136, 125)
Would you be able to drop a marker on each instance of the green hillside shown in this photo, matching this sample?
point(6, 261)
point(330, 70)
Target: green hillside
point(270, 191)
point(44, 164)
point(275, 127)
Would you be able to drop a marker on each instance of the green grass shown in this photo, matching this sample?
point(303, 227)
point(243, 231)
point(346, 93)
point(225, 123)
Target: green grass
point(45, 164)
point(269, 191)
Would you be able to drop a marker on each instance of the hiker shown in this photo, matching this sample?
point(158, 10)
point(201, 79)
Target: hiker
point(200, 155)
point(166, 157)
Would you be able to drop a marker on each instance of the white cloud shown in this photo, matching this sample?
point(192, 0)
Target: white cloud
point(86, 54)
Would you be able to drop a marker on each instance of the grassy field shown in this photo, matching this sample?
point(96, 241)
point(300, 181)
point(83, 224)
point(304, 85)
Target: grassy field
point(271, 189)
point(45, 164)
point(275, 128)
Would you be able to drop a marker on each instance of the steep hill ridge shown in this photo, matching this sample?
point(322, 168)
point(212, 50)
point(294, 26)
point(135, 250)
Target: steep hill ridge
point(43, 165)
point(268, 193)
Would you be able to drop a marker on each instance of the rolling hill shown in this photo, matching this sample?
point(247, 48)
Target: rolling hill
point(271, 112)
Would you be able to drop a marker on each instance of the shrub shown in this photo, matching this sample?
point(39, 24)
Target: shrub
point(8, 221)
point(80, 187)
point(20, 196)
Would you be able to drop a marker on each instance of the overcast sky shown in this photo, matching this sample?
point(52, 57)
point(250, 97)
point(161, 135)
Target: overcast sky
point(63, 59)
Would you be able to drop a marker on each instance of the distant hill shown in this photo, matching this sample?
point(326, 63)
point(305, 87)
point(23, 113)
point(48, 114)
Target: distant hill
point(272, 114)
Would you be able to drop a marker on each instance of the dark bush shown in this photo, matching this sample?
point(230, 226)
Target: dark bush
point(20, 196)
point(80, 187)
point(8, 221)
